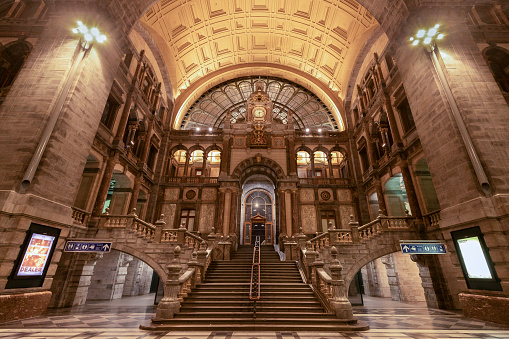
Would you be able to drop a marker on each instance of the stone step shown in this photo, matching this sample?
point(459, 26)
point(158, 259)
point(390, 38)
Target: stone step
point(256, 324)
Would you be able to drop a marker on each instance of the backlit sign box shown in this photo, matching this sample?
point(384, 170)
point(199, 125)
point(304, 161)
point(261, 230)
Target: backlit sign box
point(474, 256)
point(36, 255)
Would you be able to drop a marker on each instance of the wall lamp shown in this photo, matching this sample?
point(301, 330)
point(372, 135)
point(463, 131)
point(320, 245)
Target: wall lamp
point(87, 37)
point(428, 39)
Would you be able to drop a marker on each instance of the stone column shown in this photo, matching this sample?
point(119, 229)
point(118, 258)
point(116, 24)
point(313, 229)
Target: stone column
point(135, 192)
point(227, 212)
point(312, 159)
point(186, 165)
point(282, 211)
point(380, 195)
point(410, 190)
point(288, 212)
point(225, 157)
point(292, 159)
point(220, 210)
point(295, 224)
point(233, 212)
point(369, 144)
point(104, 186)
point(392, 119)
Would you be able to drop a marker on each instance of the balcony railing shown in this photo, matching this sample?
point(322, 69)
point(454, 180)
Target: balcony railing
point(80, 216)
point(324, 181)
point(432, 220)
point(191, 180)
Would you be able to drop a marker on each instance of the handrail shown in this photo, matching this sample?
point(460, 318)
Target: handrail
point(254, 285)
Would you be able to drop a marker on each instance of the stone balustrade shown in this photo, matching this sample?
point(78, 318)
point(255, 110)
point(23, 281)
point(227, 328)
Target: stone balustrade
point(80, 216)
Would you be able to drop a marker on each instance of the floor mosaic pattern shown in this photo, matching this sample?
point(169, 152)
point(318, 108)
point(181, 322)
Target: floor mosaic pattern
point(121, 318)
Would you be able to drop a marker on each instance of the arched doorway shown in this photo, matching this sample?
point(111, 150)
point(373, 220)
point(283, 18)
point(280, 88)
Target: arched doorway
point(258, 215)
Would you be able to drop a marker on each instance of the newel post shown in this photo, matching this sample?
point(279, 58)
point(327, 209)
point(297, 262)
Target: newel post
point(354, 227)
point(170, 304)
point(159, 224)
point(181, 233)
point(333, 234)
point(201, 257)
point(339, 303)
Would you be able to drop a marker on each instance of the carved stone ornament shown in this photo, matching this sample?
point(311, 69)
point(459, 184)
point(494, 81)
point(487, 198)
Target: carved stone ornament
point(190, 194)
point(325, 195)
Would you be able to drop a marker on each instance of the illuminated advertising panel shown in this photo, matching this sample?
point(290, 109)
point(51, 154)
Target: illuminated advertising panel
point(36, 255)
point(474, 256)
point(476, 264)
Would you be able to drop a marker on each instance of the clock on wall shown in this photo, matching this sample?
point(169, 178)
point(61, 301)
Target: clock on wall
point(259, 113)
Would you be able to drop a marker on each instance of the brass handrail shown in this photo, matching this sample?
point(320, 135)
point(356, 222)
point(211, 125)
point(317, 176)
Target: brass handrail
point(254, 288)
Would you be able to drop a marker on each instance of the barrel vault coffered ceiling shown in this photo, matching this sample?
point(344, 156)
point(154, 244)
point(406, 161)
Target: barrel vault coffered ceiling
point(317, 37)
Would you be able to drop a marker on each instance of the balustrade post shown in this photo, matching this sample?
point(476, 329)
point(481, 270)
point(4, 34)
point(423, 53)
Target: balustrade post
point(181, 234)
point(354, 227)
point(193, 263)
point(301, 238)
point(339, 302)
point(333, 234)
point(201, 257)
point(291, 250)
point(310, 259)
point(381, 218)
point(170, 303)
point(317, 263)
point(159, 224)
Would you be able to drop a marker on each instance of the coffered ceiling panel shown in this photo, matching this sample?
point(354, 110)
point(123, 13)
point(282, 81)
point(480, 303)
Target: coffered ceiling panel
point(312, 36)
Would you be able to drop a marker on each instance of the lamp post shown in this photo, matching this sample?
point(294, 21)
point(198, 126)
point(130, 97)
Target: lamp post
point(428, 38)
point(86, 40)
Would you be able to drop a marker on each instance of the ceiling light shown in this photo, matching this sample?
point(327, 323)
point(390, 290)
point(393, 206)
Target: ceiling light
point(421, 33)
point(210, 129)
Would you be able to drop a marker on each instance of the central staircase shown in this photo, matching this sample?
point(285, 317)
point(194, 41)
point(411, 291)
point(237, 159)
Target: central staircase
point(222, 301)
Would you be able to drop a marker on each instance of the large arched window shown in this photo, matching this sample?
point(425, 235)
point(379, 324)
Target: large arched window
point(12, 58)
point(307, 110)
point(498, 61)
point(258, 202)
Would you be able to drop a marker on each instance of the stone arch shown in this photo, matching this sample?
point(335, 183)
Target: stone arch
point(196, 148)
point(160, 270)
point(339, 149)
point(176, 148)
point(213, 147)
point(350, 272)
point(258, 165)
point(321, 148)
point(304, 149)
point(497, 59)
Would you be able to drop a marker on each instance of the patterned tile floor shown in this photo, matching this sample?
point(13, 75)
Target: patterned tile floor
point(120, 319)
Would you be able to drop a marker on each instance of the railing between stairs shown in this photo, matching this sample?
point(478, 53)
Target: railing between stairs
point(254, 286)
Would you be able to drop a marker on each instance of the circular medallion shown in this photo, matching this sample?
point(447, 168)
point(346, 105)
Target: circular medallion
point(190, 194)
point(325, 195)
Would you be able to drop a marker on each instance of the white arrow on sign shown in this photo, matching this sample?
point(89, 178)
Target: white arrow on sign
point(106, 247)
point(405, 248)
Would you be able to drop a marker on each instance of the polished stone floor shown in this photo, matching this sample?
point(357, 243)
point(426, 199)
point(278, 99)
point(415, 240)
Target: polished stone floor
point(120, 319)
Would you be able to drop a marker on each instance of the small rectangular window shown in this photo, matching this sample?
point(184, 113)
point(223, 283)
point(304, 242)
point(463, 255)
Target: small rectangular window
point(109, 113)
point(326, 218)
point(187, 218)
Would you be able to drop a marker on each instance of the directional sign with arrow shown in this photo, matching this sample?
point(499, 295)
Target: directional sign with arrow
point(87, 246)
point(423, 248)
